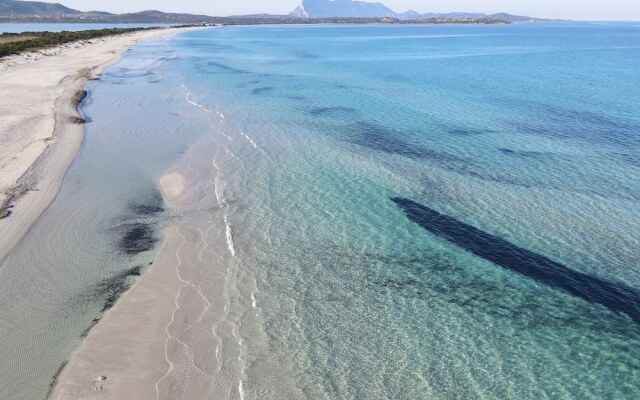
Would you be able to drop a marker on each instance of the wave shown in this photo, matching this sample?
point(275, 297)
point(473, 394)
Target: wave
point(241, 390)
point(229, 232)
point(249, 139)
point(254, 301)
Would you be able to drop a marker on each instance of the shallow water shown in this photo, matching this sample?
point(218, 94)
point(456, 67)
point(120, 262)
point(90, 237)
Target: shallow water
point(102, 226)
point(431, 212)
point(396, 211)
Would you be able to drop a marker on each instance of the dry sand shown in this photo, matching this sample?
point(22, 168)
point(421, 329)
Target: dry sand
point(38, 140)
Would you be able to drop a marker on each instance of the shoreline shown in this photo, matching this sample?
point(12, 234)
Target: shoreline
point(75, 66)
point(171, 327)
point(130, 353)
point(131, 364)
point(43, 134)
point(102, 367)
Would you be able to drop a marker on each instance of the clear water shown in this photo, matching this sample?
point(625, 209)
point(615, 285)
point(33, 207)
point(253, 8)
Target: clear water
point(19, 27)
point(101, 224)
point(529, 133)
point(415, 211)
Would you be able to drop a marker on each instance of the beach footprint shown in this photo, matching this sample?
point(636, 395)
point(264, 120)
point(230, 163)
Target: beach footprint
point(99, 382)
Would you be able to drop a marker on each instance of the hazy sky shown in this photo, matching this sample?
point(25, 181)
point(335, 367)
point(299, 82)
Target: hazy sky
point(568, 9)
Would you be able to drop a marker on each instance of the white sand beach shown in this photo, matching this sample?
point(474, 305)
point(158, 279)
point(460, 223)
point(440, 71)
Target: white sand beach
point(39, 139)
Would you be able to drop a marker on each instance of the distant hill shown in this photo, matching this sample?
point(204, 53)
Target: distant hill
point(34, 11)
point(462, 15)
point(361, 9)
point(159, 17)
point(309, 11)
point(341, 8)
point(34, 7)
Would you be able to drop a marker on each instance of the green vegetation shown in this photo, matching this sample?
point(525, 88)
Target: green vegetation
point(13, 43)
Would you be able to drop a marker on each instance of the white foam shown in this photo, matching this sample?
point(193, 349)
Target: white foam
point(189, 98)
point(223, 118)
point(241, 390)
point(249, 139)
point(229, 152)
point(219, 195)
point(217, 186)
point(227, 136)
point(230, 243)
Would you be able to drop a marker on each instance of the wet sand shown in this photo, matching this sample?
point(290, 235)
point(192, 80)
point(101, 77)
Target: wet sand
point(124, 357)
point(169, 336)
point(128, 354)
point(39, 127)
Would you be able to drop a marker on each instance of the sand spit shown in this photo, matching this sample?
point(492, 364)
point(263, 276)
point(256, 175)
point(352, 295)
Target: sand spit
point(40, 127)
point(166, 332)
point(175, 333)
point(129, 355)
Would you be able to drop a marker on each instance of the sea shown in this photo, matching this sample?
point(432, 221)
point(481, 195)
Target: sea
point(410, 211)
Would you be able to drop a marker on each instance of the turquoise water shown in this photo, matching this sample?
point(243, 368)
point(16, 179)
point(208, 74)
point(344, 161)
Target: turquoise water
point(414, 211)
point(507, 267)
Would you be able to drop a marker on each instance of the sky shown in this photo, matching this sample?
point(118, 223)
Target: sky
point(565, 9)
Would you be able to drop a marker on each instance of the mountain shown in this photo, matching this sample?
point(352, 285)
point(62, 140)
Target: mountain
point(309, 11)
point(34, 7)
point(341, 8)
point(361, 9)
point(515, 18)
point(34, 11)
point(409, 15)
